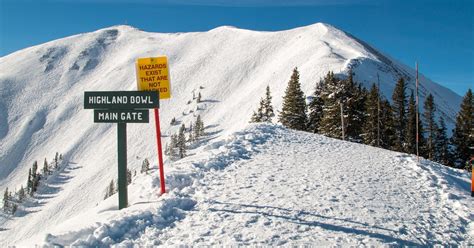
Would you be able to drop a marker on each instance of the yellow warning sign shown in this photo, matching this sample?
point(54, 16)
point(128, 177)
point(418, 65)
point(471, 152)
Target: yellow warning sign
point(153, 75)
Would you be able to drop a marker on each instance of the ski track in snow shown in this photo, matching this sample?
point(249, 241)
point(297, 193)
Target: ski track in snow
point(271, 186)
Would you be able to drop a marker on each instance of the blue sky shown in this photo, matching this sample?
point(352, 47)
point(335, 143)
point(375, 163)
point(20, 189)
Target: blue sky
point(439, 34)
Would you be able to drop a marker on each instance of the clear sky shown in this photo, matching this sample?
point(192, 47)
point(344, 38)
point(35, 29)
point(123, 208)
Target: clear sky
point(439, 34)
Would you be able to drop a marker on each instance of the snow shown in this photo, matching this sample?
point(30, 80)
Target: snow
point(267, 185)
point(41, 113)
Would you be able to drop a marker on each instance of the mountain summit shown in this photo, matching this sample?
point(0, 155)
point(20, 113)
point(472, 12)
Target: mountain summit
point(42, 88)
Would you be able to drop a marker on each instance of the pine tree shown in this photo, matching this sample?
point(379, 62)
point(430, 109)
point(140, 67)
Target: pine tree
point(410, 132)
point(110, 189)
point(399, 110)
point(463, 133)
point(21, 193)
point(198, 128)
point(14, 207)
point(45, 168)
point(129, 177)
point(431, 127)
point(35, 177)
point(191, 131)
point(173, 121)
point(387, 127)
point(316, 108)
point(199, 98)
point(330, 124)
point(443, 155)
point(60, 156)
point(355, 96)
point(370, 132)
point(293, 114)
point(56, 161)
point(257, 116)
point(6, 201)
point(181, 142)
point(145, 166)
point(173, 145)
point(267, 108)
point(29, 183)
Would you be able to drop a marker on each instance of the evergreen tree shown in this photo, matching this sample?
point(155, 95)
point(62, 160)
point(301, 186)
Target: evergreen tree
point(199, 98)
point(257, 116)
point(35, 178)
point(145, 166)
point(355, 96)
point(21, 193)
point(387, 125)
point(6, 201)
point(191, 131)
point(45, 168)
point(431, 127)
point(330, 124)
point(60, 156)
point(181, 142)
point(110, 189)
point(316, 108)
point(29, 183)
point(370, 132)
point(198, 128)
point(173, 121)
point(443, 155)
point(14, 207)
point(173, 145)
point(129, 177)
point(56, 161)
point(463, 133)
point(410, 132)
point(399, 110)
point(267, 108)
point(293, 114)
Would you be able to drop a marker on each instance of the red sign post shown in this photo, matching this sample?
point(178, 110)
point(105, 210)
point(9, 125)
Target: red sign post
point(153, 75)
point(160, 151)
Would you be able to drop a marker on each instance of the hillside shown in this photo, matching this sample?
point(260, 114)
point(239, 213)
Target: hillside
point(267, 185)
point(42, 87)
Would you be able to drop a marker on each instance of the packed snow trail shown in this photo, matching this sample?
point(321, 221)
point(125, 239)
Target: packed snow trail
point(305, 188)
point(267, 185)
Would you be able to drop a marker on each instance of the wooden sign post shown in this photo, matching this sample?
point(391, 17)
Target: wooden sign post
point(121, 107)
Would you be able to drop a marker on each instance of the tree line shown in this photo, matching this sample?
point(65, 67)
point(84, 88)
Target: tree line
point(342, 108)
point(11, 199)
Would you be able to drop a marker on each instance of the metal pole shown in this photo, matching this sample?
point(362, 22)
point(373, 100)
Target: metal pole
point(342, 123)
point(378, 110)
point(417, 135)
point(122, 164)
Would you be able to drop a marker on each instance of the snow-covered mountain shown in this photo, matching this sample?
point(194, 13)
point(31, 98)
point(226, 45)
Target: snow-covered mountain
point(42, 87)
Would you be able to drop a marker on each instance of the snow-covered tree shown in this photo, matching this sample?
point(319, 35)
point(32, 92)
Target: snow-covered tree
point(6, 201)
point(181, 145)
point(145, 166)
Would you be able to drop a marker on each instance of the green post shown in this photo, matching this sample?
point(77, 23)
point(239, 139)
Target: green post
point(122, 164)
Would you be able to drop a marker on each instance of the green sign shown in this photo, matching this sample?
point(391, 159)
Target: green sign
point(121, 100)
point(120, 116)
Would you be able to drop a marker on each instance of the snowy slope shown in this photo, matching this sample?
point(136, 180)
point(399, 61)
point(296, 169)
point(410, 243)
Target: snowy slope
point(267, 185)
point(41, 97)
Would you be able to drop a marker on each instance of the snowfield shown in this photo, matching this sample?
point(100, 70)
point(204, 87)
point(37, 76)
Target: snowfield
point(268, 185)
point(260, 184)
